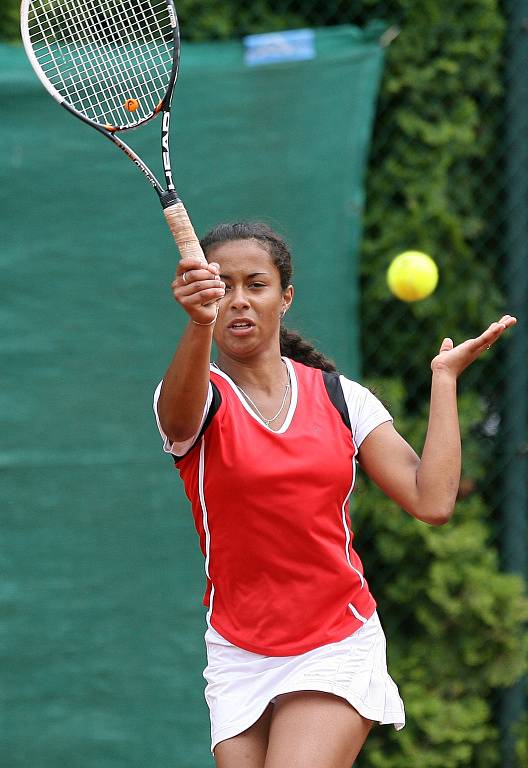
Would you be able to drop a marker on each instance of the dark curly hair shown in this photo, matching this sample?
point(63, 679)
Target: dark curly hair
point(292, 345)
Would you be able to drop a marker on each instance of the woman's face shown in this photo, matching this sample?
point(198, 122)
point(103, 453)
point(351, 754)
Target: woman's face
point(249, 314)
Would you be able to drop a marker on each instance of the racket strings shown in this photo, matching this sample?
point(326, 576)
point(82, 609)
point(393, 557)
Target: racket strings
point(135, 62)
point(112, 68)
point(92, 37)
point(115, 67)
point(110, 74)
point(98, 54)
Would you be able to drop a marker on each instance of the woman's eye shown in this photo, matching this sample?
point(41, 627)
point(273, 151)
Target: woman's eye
point(250, 285)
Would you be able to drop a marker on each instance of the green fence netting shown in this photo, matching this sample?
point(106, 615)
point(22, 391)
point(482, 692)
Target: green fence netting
point(101, 603)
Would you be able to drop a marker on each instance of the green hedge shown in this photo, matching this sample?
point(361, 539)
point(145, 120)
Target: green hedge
point(9, 15)
point(462, 634)
point(454, 621)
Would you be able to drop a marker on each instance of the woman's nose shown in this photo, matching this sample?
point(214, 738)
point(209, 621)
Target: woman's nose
point(239, 297)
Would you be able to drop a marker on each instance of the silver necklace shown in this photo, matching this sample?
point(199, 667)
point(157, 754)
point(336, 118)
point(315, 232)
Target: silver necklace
point(266, 421)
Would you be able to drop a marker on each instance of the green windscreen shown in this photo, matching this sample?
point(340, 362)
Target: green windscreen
point(102, 645)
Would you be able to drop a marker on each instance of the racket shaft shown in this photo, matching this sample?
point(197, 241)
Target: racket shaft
point(183, 231)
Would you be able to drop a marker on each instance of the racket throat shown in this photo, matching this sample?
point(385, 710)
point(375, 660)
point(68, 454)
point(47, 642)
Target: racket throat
point(165, 154)
point(168, 198)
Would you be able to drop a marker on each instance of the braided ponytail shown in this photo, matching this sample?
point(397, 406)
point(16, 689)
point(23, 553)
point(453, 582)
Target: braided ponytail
point(292, 345)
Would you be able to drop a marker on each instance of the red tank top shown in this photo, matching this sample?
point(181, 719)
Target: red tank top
point(271, 510)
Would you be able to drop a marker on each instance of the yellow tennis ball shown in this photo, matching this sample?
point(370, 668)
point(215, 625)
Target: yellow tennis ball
point(412, 276)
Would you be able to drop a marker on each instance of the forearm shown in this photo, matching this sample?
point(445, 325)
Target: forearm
point(427, 488)
point(185, 384)
point(438, 474)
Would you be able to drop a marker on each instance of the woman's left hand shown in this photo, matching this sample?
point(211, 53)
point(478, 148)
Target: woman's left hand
point(454, 360)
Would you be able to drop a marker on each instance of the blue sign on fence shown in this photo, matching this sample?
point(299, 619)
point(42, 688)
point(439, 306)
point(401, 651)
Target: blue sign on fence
point(273, 47)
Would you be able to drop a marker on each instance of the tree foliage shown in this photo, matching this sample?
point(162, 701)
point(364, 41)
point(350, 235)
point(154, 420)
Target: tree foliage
point(454, 621)
point(461, 638)
point(9, 24)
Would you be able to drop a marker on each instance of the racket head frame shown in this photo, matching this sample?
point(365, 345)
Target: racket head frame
point(175, 213)
point(164, 103)
point(168, 195)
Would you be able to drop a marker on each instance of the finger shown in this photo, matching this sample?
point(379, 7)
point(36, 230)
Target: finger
point(214, 267)
point(446, 345)
point(190, 263)
point(194, 275)
point(490, 336)
point(191, 275)
point(195, 286)
point(202, 298)
point(508, 320)
point(211, 292)
point(189, 292)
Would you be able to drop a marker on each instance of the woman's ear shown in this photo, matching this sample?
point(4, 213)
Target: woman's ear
point(287, 298)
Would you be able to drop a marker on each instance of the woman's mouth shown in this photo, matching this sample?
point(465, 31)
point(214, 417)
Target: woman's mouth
point(241, 326)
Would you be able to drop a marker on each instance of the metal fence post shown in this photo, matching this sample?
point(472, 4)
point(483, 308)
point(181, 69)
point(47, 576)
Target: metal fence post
point(515, 419)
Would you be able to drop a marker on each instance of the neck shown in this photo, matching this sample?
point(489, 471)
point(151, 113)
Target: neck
point(259, 374)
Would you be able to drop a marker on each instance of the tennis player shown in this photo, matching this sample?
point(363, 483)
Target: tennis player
point(266, 440)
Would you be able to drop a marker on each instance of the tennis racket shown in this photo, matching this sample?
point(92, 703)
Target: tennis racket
point(113, 64)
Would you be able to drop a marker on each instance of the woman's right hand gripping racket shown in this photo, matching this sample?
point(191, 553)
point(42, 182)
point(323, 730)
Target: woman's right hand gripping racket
point(113, 64)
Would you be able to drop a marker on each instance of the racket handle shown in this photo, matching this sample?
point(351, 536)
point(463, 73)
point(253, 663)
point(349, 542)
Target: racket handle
point(183, 231)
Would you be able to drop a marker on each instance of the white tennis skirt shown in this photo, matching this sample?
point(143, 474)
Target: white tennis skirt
point(241, 684)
